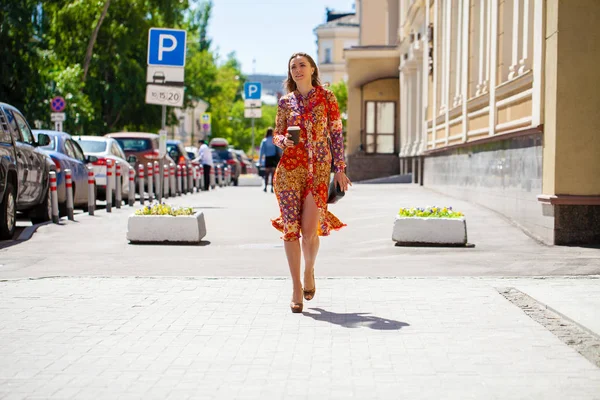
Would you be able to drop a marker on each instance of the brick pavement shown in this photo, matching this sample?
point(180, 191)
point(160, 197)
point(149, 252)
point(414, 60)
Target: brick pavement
point(225, 338)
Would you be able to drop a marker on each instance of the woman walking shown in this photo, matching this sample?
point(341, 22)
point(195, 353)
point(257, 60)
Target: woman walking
point(302, 175)
point(269, 157)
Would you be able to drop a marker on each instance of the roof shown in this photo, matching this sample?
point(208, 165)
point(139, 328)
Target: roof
point(51, 132)
point(91, 137)
point(133, 134)
point(345, 20)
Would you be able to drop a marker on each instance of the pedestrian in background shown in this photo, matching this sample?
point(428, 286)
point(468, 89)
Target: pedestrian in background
point(302, 175)
point(206, 159)
point(269, 157)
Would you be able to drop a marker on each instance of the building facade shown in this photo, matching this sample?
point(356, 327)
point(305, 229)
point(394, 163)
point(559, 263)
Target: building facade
point(498, 106)
point(340, 31)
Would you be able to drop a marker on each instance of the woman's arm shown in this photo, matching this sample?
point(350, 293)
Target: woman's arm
point(280, 132)
point(335, 132)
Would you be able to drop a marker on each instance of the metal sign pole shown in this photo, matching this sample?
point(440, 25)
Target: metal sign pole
point(252, 152)
point(162, 162)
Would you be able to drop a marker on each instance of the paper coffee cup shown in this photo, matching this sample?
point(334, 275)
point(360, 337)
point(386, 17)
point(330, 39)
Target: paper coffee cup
point(294, 132)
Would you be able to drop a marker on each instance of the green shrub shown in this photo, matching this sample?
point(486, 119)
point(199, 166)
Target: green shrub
point(430, 212)
point(164, 209)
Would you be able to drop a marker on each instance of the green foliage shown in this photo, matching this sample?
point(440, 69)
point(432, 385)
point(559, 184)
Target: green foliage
point(430, 212)
point(164, 209)
point(341, 93)
point(44, 46)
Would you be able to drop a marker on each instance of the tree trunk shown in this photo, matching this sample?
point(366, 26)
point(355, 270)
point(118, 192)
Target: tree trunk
point(90, 48)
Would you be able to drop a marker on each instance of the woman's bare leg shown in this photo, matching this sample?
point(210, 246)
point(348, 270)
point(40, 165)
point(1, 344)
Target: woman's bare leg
point(310, 239)
point(294, 255)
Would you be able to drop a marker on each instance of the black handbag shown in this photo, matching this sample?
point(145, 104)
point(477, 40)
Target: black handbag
point(335, 191)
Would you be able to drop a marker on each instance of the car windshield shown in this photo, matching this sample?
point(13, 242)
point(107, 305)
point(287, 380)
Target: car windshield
point(216, 157)
point(92, 146)
point(135, 144)
point(224, 154)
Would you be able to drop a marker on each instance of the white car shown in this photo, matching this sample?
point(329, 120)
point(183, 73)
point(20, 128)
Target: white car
point(102, 148)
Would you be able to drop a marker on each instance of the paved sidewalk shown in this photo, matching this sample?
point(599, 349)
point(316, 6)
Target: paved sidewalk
point(203, 338)
point(242, 242)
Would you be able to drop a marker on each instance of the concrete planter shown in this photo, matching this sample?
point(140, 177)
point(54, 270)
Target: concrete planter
point(166, 228)
point(430, 231)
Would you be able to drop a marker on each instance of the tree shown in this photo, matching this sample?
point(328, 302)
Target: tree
point(21, 83)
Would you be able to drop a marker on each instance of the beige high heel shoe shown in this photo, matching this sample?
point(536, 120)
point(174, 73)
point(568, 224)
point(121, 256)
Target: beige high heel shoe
point(296, 307)
point(310, 294)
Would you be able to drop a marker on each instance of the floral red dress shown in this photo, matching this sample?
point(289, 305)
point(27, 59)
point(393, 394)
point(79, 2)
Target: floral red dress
point(305, 168)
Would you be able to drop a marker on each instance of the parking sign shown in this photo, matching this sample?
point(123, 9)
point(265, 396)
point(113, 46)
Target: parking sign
point(166, 47)
point(252, 90)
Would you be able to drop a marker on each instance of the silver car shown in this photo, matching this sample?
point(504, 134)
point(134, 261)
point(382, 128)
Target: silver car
point(100, 149)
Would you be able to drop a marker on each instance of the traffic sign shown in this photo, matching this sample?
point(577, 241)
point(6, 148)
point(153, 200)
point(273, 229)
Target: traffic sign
point(58, 117)
point(166, 47)
point(161, 75)
point(252, 90)
point(252, 112)
point(164, 95)
point(252, 103)
point(205, 121)
point(58, 104)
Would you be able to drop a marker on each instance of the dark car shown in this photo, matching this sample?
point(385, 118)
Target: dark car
point(24, 172)
point(177, 152)
point(228, 156)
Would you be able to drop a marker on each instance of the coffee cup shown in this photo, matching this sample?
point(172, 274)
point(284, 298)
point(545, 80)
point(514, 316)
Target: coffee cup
point(294, 134)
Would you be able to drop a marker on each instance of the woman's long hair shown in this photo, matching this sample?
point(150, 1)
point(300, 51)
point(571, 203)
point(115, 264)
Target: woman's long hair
point(269, 132)
point(289, 83)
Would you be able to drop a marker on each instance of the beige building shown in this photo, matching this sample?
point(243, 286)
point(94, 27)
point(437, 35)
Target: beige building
point(340, 31)
point(497, 104)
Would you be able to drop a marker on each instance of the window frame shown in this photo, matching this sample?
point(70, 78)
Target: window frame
point(375, 133)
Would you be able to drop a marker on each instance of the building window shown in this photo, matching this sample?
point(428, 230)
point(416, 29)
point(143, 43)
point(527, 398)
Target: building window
point(380, 127)
point(327, 56)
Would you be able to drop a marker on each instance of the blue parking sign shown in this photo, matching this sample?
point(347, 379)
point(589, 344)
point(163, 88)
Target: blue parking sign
point(252, 90)
point(166, 47)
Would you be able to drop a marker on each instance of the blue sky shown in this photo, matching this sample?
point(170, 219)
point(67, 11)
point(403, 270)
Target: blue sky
point(268, 30)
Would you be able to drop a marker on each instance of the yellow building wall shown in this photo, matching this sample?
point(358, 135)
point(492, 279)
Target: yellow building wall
point(572, 101)
point(363, 84)
point(373, 22)
point(515, 111)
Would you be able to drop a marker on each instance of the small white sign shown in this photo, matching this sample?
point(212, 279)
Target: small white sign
point(57, 117)
point(164, 95)
point(249, 103)
point(168, 76)
point(252, 112)
point(162, 143)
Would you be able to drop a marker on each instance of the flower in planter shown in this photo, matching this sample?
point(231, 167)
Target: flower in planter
point(430, 212)
point(164, 209)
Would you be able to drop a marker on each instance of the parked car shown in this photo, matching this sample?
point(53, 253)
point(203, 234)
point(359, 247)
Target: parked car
point(143, 146)
point(177, 152)
point(218, 163)
point(247, 165)
point(98, 150)
point(24, 172)
point(228, 156)
point(66, 154)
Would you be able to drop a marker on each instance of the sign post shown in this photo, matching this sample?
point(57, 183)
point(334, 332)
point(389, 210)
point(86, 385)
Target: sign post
point(165, 77)
point(205, 125)
point(57, 105)
point(252, 105)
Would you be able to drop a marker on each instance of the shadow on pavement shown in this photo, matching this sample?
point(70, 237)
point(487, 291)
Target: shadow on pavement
point(201, 243)
point(356, 320)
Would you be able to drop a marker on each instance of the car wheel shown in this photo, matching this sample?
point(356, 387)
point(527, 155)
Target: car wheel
point(8, 213)
point(43, 211)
